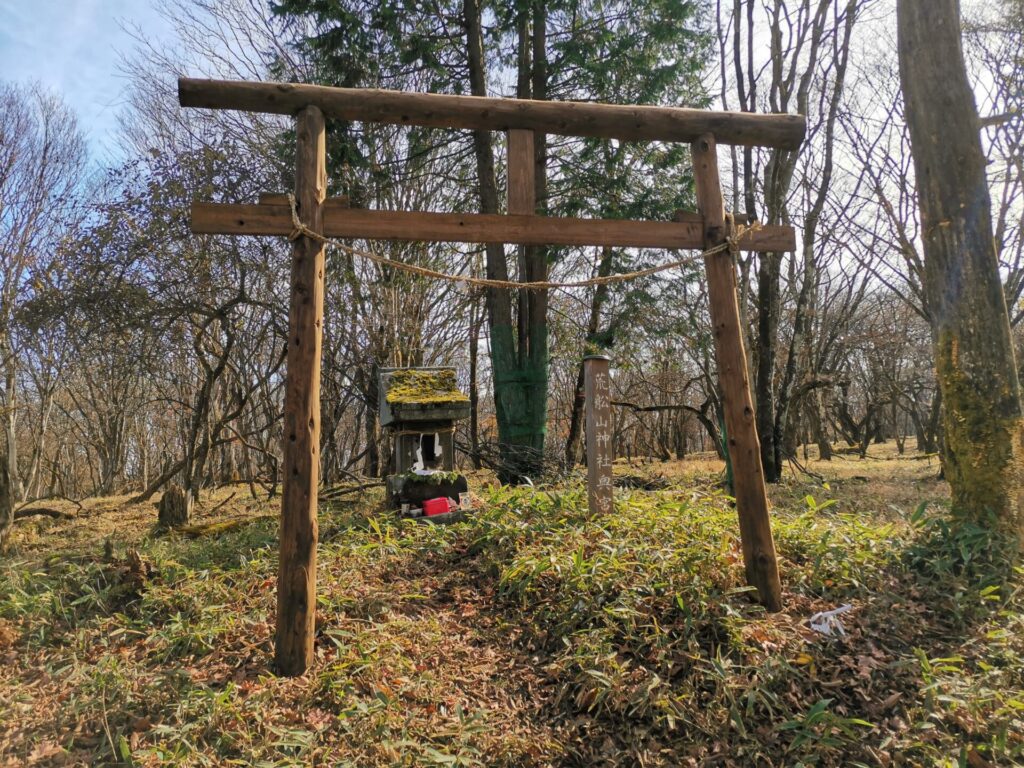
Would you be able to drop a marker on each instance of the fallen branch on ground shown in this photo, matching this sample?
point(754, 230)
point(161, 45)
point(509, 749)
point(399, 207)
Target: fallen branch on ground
point(56, 514)
point(50, 497)
point(153, 487)
point(229, 498)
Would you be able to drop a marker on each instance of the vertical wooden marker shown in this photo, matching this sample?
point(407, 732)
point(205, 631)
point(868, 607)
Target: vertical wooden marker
point(759, 559)
point(598, 414)
point(296, 580)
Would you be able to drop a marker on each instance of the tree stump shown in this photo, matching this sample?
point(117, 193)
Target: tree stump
point(175, 508)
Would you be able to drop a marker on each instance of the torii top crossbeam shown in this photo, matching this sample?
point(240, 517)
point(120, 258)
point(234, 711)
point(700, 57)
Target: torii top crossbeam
point(319, 217)
point(479, 113)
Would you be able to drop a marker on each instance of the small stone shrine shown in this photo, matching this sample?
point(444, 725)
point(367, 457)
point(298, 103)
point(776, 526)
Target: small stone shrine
point(420, 406)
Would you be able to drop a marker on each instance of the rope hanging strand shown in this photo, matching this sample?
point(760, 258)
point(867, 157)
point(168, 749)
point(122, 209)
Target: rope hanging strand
point(731, 244)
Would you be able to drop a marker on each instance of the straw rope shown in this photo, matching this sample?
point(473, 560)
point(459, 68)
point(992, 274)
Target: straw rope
point(299, 229)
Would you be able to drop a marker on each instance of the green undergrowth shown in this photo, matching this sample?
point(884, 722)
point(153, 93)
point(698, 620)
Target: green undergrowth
point(648, 627)
point(530, 634)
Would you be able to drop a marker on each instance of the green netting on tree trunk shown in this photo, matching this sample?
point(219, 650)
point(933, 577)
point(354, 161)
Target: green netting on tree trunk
point(520, 400)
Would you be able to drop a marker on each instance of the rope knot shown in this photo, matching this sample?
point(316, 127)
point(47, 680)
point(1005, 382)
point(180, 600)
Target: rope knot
point(298, 228)
point(738, 232)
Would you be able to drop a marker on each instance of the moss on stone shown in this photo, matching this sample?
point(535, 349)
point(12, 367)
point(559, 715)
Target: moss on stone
point(413, 385)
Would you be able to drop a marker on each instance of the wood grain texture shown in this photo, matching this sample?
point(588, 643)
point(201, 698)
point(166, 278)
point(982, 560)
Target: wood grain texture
point(480, 113)
point(280, 198)
point(341, 222)
point(522, 187)
point(759, 558)
point(296, 583)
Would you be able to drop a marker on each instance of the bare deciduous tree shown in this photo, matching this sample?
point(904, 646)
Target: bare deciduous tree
point(41, 165)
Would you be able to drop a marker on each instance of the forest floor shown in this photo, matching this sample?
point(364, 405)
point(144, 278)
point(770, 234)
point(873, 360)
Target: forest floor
point(528, 635)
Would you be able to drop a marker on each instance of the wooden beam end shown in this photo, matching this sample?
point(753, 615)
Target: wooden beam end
point(799, 133)
point(185, 92)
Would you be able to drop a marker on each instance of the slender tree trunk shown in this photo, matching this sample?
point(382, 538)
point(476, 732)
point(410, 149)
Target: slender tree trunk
point(194, 457)
point(33, 476)
point(819, 424)
point(897, 433)
point(11, 425)
point(6, 507)
point(572, 441)
point(474, 383)
point(144, 457)
point(974, 359)
point(371, 466)
point(519, 351)
point(768, 308)
point(918, 422)
point(54, 479)
point(499, 303)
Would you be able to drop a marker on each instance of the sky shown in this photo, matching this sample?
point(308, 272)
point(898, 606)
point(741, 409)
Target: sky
point(74, 47)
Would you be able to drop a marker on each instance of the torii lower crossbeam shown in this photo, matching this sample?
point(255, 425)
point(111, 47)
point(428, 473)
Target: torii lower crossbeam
point(686, 233)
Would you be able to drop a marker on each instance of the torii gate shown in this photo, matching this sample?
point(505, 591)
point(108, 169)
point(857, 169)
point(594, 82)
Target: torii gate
point(521, 118)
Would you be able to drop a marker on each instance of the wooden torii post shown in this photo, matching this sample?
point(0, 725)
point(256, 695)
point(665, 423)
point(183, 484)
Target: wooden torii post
point(296, 596)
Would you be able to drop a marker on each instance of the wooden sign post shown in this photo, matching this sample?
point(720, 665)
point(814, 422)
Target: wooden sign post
point(598, 409)
point(319, 217)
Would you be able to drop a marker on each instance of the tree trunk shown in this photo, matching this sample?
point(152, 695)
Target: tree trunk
point(144, 457)
point(819, 424)
point(919, 434)
point(371, 465)
point(6, 507)
point(155, 485)
point(572, 441)
point(800, 360)
point(474, 382)
point(519, 354)
point(32, 478)
point(10, 424)
point(974, 359)
point(768, 309)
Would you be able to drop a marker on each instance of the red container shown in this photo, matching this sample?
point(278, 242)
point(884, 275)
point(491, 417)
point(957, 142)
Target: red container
point(438, 506)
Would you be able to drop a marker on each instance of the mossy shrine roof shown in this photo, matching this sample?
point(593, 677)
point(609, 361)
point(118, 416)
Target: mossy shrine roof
point(421, 395)
point(425, 386)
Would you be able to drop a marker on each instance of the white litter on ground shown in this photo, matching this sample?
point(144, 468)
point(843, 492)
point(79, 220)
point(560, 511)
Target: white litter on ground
point(828, 623)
